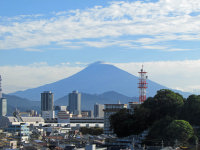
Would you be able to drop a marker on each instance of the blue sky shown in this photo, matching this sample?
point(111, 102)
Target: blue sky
point(66, 35)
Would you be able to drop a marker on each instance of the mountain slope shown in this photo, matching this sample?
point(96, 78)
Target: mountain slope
point(22, 104)
point(95, 79)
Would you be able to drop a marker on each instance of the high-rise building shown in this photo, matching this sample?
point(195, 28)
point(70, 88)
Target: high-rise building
point(0, 88)
point(75, 103)
point(46, 101)
point(3, 107)
point(3, 102)
point(98, 110)
point(47, 105)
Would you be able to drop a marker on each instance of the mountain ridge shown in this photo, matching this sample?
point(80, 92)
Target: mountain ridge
point(23, 104)
point(97, 78)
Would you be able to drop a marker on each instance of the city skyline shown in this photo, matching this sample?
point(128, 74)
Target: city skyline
point(42, 42)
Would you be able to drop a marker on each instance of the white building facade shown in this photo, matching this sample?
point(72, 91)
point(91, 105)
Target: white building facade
point(3, 107)
point(98, 110)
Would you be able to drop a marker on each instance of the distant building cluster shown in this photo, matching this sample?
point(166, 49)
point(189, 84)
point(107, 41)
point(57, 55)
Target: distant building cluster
point(59, 123)
point(63, 113)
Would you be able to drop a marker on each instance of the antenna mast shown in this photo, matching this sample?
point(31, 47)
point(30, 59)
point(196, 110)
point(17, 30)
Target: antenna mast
point(142, 85)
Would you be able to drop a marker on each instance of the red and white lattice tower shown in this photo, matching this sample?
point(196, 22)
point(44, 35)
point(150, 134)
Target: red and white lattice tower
point(142, 85)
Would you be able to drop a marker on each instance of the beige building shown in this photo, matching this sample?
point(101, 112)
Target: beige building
point(98, 110)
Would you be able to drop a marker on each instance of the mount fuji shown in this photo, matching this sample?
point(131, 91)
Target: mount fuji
point(97, 78)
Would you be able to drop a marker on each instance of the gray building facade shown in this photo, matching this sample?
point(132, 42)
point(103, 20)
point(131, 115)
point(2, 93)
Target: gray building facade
point(75, 103)
point(47, 101)
point(3, 107)
point(98, 110)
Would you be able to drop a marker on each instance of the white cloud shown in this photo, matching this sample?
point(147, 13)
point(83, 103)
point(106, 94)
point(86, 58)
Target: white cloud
point(163, 21)
point(17, 78)
point(178, 49)
point(182, 75)
point(33, 50)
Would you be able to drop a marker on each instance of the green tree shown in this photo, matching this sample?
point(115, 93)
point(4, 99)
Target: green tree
point(169, 131)
point(164, 103)
point(141, 120)
point(180, 130)
point(191, 110)
point(167, 103)
point(92, 131)
point(157, 132)
point(121, 122)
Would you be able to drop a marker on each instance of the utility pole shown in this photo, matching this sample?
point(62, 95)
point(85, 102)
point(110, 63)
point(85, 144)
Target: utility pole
point(144, 147)
point(162, 144)
point(196, 144)
point(176, 143)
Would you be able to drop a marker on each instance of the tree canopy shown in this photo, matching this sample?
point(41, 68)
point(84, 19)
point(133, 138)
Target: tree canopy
point(121, 123)
point(170, 130)
point(91, 131)
point(180, 130)
point(163, 115)
point(157, 130)
point(191, 110)
point(164, 103)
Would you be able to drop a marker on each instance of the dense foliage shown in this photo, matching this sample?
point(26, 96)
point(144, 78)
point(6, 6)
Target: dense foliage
point(170, 131)
point(191, 110)
point(121, 123)
point(91, 131)
point(157, 131)
point(167, 116)
point(180, 130)
point(164, 103)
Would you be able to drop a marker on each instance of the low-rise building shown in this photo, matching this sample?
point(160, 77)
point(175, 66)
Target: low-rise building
point(77, 122)
point(22, 129)
point(87, 113)
point(5, 121)
point(64, 117)
point(48, 114)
